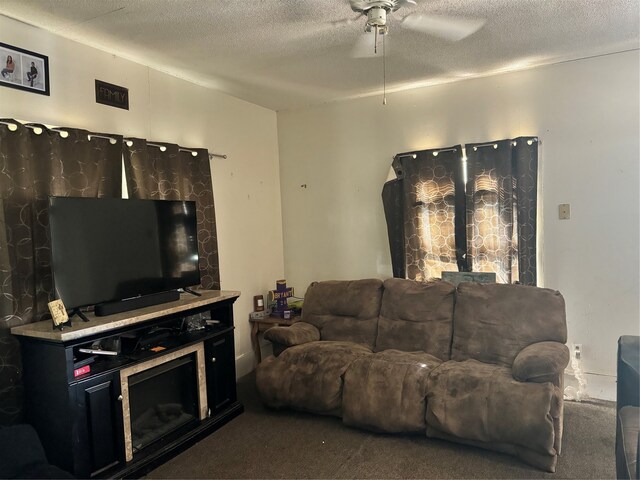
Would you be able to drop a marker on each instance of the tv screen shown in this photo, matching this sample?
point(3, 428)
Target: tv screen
point(110, 249)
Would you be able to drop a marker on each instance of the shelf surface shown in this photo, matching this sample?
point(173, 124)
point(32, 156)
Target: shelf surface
point(96, 325)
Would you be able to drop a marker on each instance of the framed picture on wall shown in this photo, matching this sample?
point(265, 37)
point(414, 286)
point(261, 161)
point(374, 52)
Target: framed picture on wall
point(24, 70)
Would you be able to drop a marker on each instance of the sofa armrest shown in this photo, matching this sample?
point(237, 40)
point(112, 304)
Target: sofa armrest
point(541, 362)
point(296, 334)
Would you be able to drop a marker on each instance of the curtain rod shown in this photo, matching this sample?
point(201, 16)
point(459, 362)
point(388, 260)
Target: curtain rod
point(436, 152)
point(161, 147)
point(495, 145)
point(63, 133)
point(193, 152)
point(112, 140)
point(12, 126)
point(15, 126)
point(37, 129)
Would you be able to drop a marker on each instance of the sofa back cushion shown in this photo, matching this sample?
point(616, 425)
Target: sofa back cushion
point(493, 322)
point(344, 310)
point(416, 316)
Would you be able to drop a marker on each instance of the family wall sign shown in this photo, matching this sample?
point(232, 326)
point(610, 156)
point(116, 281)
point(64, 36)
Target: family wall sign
point(112, 95)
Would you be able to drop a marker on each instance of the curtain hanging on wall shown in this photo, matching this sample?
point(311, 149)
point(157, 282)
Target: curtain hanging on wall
point(424, 206)
point(502, 208)
point(441, 219)
point(36, 162)
point(165, 171)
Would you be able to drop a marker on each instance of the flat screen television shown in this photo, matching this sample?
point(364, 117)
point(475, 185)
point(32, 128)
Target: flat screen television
point(109, 250)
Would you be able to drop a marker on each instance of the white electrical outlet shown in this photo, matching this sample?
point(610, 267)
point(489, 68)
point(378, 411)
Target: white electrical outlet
point(564, 211)
point(577, 350)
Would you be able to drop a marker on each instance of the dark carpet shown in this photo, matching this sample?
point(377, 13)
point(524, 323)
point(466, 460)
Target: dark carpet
point(262, 443)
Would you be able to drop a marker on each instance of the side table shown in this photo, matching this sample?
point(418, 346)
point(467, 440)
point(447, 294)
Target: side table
point(263, 324)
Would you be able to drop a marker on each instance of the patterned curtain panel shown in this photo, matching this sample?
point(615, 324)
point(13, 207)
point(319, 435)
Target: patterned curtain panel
point(36, 162)
point(172, 173)
point(524, 156)
point(392, 200)
point(425, 204)
point(501, 208)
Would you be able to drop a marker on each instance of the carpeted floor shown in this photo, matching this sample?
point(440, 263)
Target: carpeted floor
point(262, 443)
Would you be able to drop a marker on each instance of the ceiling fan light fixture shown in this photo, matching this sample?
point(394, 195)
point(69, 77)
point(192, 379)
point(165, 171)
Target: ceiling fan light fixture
point(377, 17)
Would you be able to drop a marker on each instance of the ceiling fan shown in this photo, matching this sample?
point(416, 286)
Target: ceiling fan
point(445, 27)
point(377, 13)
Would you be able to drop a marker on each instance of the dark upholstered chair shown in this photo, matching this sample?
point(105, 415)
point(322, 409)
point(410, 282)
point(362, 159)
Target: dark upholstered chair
point(628, 408)
point(21, 453)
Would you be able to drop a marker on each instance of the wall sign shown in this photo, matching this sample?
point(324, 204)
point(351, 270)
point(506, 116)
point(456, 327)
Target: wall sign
point(24, 70)
point(112, 95)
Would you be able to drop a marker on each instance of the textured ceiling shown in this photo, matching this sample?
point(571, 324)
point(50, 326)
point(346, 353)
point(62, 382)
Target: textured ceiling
point(285, 54)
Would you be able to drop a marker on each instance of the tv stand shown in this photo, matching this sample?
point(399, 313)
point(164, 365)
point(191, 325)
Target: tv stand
point(89, 419)
point(110, 308)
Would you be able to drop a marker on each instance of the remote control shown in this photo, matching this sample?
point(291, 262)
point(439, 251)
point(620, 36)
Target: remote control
point(97, 352)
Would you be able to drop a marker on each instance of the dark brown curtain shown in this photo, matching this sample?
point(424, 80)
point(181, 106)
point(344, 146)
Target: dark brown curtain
point(440, 218)
point(36, 162)
point(525, 161)
point(501, 208)
point(172, 173)
point(424, 207)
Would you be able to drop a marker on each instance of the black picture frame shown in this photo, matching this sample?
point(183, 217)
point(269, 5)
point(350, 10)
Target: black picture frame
point(23, 76)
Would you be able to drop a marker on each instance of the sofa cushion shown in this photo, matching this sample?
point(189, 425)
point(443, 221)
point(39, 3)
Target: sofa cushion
point(482, 402)
point(493, 322)
point(416, 316)
point(386, 391)
point(344, 310)
point(308, 377)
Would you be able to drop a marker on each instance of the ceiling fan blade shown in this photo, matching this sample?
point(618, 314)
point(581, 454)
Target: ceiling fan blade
point(448, 28)
point(312, 31)
point(363, 48)
point(364, 5)
point(345, 21)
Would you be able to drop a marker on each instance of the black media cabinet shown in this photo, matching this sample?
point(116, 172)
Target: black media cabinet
point(86, 422)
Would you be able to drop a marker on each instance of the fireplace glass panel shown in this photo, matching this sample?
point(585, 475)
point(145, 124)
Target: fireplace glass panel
point(162, 399)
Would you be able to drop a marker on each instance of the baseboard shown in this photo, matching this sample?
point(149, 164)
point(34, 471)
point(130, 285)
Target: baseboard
point(600, 387)
point(244, 364)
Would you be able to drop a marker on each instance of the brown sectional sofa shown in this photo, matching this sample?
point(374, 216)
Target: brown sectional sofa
point(479, 364)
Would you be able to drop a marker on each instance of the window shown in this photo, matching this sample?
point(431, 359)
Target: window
point(447, 214)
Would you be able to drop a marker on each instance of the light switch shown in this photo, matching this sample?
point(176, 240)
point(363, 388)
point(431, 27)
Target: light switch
point(564, 211)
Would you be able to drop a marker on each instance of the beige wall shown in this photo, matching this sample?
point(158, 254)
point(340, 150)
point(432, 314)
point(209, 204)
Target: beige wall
point(164, 108)
point(586, 114)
